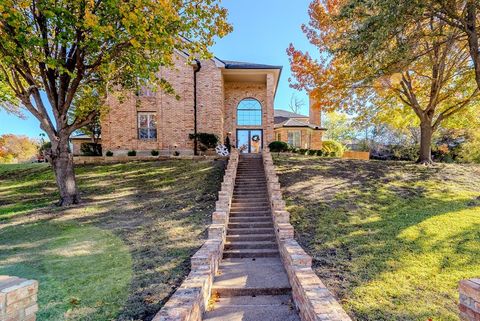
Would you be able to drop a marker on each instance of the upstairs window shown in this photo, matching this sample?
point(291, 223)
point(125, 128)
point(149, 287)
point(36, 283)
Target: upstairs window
point(249, 113)
point(147, 126)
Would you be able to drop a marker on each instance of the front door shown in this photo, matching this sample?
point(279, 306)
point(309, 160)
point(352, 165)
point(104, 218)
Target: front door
point(249, 141)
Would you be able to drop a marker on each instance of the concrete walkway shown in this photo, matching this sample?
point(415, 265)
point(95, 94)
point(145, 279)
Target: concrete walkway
point(252, 284)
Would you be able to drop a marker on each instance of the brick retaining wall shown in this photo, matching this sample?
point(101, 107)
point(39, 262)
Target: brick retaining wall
point(312, 298)
point(188, 303)
point(18, 299)
point(470, 300)
point(88, 160)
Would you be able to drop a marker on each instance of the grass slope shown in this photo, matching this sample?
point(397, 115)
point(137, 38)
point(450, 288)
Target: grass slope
point(122, 253)
point(391, 240)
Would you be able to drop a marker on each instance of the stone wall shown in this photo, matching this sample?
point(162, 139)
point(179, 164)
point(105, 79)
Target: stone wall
point(312, 298)
point(85, 160)
point(18, 299)
point(190, 300)
point(470, 300)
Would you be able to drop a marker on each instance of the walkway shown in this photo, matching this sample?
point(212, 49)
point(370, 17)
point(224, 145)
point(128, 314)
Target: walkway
point(252, 284)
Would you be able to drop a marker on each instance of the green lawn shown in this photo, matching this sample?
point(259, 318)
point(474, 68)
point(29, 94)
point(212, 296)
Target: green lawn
point(121, 253)
point(390, 239)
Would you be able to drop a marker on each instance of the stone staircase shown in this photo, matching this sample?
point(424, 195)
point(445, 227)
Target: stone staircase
point(252, 284)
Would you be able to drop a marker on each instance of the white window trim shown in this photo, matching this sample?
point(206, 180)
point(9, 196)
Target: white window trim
point(149, 115)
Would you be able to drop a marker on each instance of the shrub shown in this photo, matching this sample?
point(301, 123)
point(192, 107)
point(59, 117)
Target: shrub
point(312, 152)
point(319, 152)
point(405, 152)
point(109, 153)
point(206, 141)
point(155, 152)
point(278, 147)
point(332, 148)
point(303, 151)
point(91, 149)
point(132, 153)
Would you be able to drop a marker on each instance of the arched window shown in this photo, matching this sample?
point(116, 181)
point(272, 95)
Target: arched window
point(249, 112)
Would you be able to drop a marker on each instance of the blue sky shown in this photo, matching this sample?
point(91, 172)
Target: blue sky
point(263, 29)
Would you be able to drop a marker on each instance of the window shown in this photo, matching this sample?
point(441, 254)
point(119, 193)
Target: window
point(279, 137)
point(147, 126)
point(249, 113)
point(294, 138)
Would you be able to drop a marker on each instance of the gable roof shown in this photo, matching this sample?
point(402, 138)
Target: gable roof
point(287, 114)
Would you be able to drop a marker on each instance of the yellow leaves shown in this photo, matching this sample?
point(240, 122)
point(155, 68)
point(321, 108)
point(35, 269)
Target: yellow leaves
point(135, 43)
point(91, 20)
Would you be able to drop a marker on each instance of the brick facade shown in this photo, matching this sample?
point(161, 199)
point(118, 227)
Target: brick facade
point(217, 100)
point(309, 138)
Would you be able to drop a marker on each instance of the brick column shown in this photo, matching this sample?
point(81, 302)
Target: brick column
point(18, 299)
point(470, 300)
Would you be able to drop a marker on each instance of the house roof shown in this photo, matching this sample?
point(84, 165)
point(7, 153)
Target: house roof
point(287, 114)
point(230, 64)
point(292, 123)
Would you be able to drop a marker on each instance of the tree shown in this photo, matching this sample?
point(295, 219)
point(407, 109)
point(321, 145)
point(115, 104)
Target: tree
point(434, 83)
point(340, 127)
point(384, 24)
point(296, 104)
point(17, 149)
point(76, 52)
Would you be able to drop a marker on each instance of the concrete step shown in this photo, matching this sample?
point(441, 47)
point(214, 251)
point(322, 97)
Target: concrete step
point(255, 276)
point(250, 198)
point(250, 253)
point(235, 225)
point(251, 245)
point(250, 206)
point(251, 214)
point(243, 231)
point(250, 237)
point(258, 308)
point(253, 210)
point(241, 219)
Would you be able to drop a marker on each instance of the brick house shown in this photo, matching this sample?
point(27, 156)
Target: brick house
point(299, 130)
point(215, 96)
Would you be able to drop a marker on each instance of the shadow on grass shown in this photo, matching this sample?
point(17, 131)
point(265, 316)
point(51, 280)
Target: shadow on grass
point(159, 210)
point(392, 240)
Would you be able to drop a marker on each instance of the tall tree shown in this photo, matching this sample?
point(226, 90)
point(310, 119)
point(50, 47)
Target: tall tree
point(434, 83)
point(66, 55)
point(383, 25)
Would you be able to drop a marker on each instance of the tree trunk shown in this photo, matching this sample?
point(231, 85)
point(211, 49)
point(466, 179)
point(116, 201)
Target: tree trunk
point(472, 36)
point(62, 162)
point(426, 133)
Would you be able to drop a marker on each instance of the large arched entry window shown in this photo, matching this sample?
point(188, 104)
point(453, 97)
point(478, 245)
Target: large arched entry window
point(249, 113)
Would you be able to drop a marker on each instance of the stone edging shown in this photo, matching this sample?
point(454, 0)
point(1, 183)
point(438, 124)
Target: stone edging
point(312, 298)
point(89, 160)
point(190, 300)
point(18, 298)
point(469, 299)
